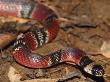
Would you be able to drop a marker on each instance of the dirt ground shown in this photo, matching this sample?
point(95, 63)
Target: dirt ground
point(84, 24)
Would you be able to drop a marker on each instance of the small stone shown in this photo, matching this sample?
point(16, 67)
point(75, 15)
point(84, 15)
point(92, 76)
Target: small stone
point(105, 49)
point(5, 39)
point(13, 75)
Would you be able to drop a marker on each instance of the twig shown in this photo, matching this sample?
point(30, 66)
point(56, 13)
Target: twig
point(1, 53)
point(69, 76)
point(85, 25)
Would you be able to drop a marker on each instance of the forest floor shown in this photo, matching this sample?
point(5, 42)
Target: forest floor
point(84, 24)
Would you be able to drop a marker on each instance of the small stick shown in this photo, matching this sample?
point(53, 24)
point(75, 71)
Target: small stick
point(1, 53)
point(71, 75)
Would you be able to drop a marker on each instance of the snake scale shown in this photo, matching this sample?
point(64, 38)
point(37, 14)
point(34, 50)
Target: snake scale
point(29, 41)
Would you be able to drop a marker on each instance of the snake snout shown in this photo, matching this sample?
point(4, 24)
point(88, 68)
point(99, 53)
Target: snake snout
point(93, 68)
point(97, 70)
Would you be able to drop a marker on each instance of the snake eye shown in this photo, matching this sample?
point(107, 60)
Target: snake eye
point(97, 70)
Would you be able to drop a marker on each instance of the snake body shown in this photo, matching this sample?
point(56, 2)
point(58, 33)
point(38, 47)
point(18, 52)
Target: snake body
point(33, 39)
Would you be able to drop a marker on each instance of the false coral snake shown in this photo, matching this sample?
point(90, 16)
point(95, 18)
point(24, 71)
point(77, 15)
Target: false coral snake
point(37, 37)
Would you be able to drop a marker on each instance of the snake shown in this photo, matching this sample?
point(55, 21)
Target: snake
point(37, 37)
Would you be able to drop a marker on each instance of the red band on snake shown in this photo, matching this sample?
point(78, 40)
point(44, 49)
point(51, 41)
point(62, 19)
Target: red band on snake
point(37, 37)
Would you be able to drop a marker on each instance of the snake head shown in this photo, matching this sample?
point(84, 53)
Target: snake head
point(91, 67)
point(94, 69)
point(97, 70)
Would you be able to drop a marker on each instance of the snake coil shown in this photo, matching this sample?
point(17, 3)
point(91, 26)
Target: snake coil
point(35, 38)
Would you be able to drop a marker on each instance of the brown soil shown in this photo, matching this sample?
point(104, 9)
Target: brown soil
point(84, 24)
